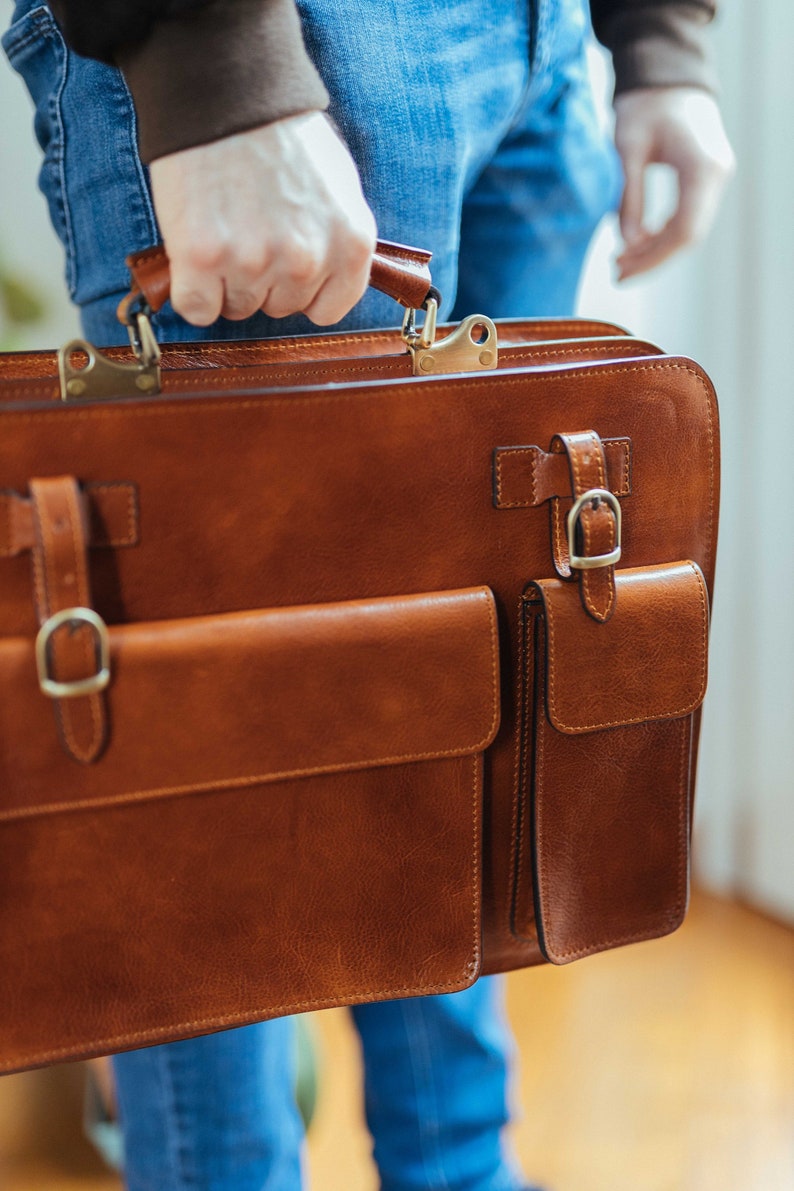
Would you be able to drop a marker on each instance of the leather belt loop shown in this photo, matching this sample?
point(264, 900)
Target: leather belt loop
point(61, 582)
point(596, 522)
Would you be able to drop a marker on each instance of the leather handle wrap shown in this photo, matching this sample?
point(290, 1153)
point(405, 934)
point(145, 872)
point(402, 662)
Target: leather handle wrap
point(401, 272)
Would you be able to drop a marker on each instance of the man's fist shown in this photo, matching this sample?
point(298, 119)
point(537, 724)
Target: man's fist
point(271, 219)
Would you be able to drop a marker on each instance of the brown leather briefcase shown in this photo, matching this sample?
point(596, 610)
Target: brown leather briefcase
point(341, 668)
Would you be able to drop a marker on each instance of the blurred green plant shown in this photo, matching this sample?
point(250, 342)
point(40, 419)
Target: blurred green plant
point(20, 305)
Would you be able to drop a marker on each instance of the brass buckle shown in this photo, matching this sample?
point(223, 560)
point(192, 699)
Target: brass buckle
point(83, 686)
point(594, 496)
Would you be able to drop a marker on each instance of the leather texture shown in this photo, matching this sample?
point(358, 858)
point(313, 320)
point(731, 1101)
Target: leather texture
point(303, 562)
point(61, 581)
point(401, 272)
point(109, 514)
point(605, 758)
point(368, 355)
point(235, 700)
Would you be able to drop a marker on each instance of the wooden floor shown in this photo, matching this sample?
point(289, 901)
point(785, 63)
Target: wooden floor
point(663, 1067)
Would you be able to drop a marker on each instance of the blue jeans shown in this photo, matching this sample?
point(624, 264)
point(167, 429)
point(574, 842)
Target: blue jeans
point(475, 135)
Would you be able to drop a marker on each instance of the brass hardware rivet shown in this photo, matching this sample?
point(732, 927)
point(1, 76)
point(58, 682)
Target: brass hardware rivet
point(427, 363)
point(486, 358)
point(145, 383)
point(76, 388)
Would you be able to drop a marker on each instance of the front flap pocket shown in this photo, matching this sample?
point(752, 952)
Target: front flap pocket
point(606, 756)
point(647, 663)
point(289, 811)
point(253, 697)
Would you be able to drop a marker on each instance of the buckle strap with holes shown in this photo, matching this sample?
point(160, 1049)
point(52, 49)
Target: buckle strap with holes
point(72, 650)
point(586, 532)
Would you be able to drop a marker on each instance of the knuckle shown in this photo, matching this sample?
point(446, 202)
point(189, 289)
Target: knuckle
point(360, 248)
point(193, 306)
point(251, 260)
point(205, 254)
point(301, 267)
point(241, 303)
point(279, 305)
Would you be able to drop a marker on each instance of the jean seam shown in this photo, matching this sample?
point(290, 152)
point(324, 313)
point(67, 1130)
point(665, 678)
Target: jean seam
point(39, 21)
point(59, 156)
point(145, 212)
point(177, 1146)
point(416, 1030)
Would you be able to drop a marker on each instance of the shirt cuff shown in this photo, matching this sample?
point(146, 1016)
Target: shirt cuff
point(218, 70)
point(664, 45)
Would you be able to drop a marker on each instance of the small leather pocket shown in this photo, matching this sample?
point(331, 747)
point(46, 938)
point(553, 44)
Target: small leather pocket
point(605, 760)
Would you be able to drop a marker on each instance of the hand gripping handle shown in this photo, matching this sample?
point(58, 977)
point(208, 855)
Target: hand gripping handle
point(401, 272)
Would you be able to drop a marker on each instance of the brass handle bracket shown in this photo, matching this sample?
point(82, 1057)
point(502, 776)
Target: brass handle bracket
point(101, 379)
point(471, 347)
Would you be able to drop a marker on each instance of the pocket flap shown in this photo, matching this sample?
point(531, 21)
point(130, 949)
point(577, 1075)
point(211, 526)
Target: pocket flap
point(648, 662)
point(251, 697)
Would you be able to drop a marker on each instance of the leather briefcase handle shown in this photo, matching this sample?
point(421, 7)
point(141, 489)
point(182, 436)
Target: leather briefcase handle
point(401, 272)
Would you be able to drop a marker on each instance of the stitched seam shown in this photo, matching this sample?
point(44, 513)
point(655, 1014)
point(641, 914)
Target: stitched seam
point(607, 579)
point(520, 354)
point(618, 453)
point(64, 714)
point(648, 714)
point(342, 998)
point(590, 583)
point(6, 550)
point(502, 453)
point(163, 408)
point(674, 913)
point(84, 597)
point(174, 383)
point(540, 769)
point(128, 490)
point(9, 550)
point(41, 580)
point(624, 446)
point(306, 377)
point(473, 964)
point(522, 864)
point(561, 560)
point(515, 851)
point(261, 1014)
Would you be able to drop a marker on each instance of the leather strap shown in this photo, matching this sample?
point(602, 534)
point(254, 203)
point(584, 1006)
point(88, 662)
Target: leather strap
point(597, 525)
point(397, 270)
point(525, 477)
point(60, 581)
point(111, 513)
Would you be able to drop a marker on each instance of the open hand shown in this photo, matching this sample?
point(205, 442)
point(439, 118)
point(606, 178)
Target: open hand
point(680, 127)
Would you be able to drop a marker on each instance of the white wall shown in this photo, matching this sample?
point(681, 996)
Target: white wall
point(730, 306)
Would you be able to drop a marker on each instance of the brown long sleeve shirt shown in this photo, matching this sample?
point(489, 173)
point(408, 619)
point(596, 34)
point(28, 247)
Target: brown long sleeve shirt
point(195, 67)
